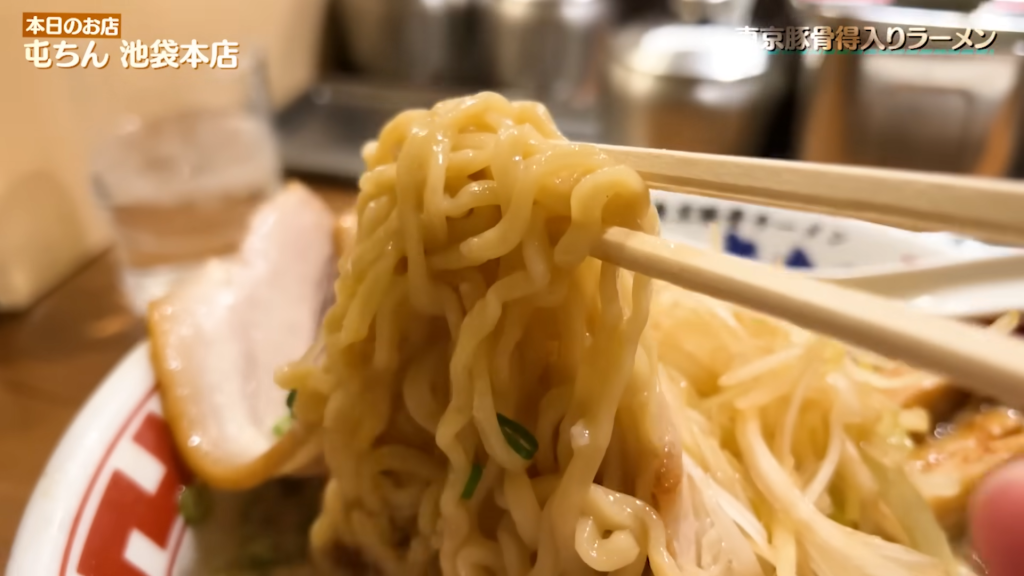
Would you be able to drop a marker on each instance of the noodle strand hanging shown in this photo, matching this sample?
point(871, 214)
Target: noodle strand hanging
point(492, 400)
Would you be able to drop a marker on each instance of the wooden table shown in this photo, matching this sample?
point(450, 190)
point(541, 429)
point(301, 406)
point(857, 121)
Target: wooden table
point(51, 358)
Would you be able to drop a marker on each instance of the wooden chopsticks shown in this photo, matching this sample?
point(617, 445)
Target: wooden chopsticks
point(982, 361)
point(988, 209)
point(985, 362)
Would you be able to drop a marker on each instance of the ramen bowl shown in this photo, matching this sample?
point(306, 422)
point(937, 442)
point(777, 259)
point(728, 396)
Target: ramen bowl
point(812, 243)
point(107, 503)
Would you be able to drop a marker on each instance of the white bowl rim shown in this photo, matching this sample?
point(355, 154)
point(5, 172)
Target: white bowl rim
point(44, 533)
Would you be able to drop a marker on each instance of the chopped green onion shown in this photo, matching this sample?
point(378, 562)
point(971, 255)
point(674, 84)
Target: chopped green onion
point(283, 425)
point(291, 399)
point(194, 504)
point(474, 479)
point(260, 553)
point(518, 437)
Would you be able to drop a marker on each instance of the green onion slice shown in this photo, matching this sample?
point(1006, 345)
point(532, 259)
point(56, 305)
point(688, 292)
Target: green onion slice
point(518, 437)
point(282, 426)
point(291, 398)
point(474, 479)
point(194, 504)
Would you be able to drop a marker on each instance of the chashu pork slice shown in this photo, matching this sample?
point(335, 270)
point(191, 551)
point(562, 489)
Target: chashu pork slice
point(948, 466)
point(219, 335)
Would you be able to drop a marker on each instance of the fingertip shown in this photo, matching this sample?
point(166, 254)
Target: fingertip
point(997, 520)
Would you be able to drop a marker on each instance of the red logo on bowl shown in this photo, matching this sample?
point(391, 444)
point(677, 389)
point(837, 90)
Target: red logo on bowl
point(127, 523)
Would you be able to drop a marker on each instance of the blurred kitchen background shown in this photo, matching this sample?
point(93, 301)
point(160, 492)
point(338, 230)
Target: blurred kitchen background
point(324, 75)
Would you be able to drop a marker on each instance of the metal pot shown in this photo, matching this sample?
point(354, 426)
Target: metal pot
point(697, 88)
point(417, 41)
point(943, 112)
point(955, 5)
point(729, 12)
point(548, 50)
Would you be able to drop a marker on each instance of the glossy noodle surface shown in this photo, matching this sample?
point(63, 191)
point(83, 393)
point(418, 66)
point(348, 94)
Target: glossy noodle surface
point(492, 400)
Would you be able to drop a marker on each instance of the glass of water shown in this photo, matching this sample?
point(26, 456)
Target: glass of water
point(180, 181)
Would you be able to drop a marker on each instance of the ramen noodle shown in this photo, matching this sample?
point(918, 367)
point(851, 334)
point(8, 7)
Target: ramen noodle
point(492, 400)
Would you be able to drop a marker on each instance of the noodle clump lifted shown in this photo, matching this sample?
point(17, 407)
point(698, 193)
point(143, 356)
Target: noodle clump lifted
point(490, 398)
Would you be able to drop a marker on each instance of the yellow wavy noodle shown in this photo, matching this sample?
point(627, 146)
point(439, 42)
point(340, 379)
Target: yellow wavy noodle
point(470, 293)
